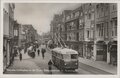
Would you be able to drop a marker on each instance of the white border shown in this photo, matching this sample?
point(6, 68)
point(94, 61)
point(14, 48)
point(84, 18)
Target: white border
point(58, 76)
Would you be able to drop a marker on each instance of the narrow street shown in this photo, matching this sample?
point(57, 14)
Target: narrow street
point(82, 37)
point(38, 65)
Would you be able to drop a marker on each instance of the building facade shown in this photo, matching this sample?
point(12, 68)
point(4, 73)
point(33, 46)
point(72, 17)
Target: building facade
point(29, 34)
point(89, 24)
point(112, 50)
point(73, 29)
point(17, 28)
point(90, 29)
point(8, 23)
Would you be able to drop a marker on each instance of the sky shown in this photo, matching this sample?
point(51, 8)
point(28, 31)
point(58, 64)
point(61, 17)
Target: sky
point(40, 14)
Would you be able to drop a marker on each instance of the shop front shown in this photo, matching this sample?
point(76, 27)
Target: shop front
point(113, 52)
point(80, 51)
point(5, 54)
point(89, 49)
point(101, 51)
point(78, 46)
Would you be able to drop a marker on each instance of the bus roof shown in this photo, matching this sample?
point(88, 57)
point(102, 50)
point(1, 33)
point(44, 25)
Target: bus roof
point(65, 51)
point(68, 51)
point(56, 49)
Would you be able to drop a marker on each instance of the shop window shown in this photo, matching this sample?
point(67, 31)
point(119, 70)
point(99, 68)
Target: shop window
point(99, 52)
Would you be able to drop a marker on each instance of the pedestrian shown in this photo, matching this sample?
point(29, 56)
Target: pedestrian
point(33, 54)
point(13, 58)
point(50, 66)
point(25, 49)
point(38, 52)
point(20, 56)
point(35, 49)
point(43, 52)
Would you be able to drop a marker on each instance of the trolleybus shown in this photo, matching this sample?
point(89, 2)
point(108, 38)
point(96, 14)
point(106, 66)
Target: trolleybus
point(65, 59)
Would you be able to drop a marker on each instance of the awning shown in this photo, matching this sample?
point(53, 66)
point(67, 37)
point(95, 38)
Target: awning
point(113, 46)
point(100, 43)
point(112, 43)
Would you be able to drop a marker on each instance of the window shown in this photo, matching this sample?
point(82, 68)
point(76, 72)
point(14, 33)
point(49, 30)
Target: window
point(74, 56)
point(69, 37)
point(99, 29)
point(90, 4)
point(97, 6)
point(77, 14)
point(88, 34)
point(15, 32)
point(113, 7)
point(68, 17)
point(112, 33)
point(77, 36)
point(115, 27)
point(81, 14)
point(102, 29)
point(80, 21)
point(106, 29)
point(71, 15)
point(85, 12)
point(72, 23)
point(92, 9)
point(106, 11)
point(92, 34)
point(102, 9)
point(89, 16)
point(70, 27)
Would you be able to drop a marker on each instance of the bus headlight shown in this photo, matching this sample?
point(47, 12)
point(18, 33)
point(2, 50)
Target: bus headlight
point(76, 63)
point(65, 64)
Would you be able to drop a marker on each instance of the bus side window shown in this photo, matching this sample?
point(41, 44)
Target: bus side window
point(61, 56)
point(58, 55)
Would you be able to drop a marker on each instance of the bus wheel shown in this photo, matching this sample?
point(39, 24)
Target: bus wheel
point(60, 69)
point(64, 70)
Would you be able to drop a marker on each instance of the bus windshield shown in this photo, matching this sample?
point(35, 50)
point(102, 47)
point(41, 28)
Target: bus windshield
point(74, 56)
point(66, 56)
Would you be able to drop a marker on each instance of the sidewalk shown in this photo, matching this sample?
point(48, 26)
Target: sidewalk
point(26, 66)
point(100, 65)
point(24, 55)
